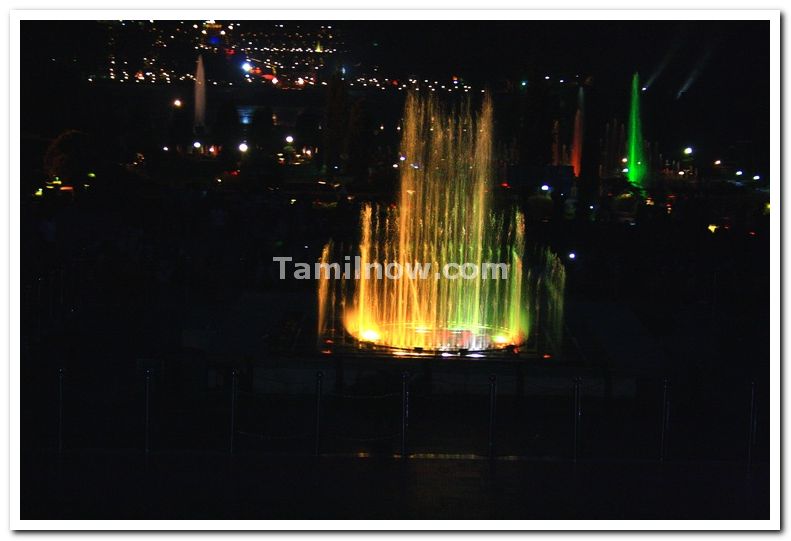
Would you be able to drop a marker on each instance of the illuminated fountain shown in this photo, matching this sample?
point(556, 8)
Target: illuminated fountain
point(576, 142)
point(200, 96)
point(444, 215)
point(635, 158)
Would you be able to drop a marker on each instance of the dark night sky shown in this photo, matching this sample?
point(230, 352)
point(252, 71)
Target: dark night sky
point(726, 61)
point(610, 49)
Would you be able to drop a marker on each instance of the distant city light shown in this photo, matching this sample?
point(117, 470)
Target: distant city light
point(757, 177)
point(624, 160)
point(718, 162)
point(681, 173)
point(739, 173)
point(165, 149)
point(247, 66)
point(176, 103)
point(524, 83)
point(243, 147)
point(546, 77)
point(688, 151)
point(289, 139)
point(196, 144)
point(544, 188)
point(644, 88)
point(572, 255)
point(625, 170)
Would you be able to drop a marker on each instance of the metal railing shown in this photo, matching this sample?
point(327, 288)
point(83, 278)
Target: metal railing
point(322, 413)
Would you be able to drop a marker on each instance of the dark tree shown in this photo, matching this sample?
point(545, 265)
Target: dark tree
point(70, 157)
point(261, 129)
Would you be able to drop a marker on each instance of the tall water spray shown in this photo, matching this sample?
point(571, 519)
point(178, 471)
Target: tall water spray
point(635, 158)
point(576, 142)
point(200, 96)
point(444, 215)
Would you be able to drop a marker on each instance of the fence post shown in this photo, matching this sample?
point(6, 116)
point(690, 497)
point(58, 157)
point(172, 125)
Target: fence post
point(751, 428)
point(148, 396)
point(404, 410)
point(51, 294)
point(492, 411)
point(577, 415)
point(61, 291)
point(339, 374)
point(60, 410)
point(665, 419)
point(317, 433)
point(234, 381)
point(39, 307)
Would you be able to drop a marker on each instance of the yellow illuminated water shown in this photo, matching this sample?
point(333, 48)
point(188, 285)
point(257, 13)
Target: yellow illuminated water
point(443, 214)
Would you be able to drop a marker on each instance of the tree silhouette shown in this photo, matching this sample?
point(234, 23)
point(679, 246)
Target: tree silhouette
point(70, 157)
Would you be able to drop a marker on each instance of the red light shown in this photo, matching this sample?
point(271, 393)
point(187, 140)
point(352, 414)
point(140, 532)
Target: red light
point(546, 356)
point(752, 233)
point(395, 82)
point(269, 76)
point(66, 189)
point(505, 185)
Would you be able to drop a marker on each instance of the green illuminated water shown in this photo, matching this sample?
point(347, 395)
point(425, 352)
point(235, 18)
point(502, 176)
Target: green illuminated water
point(634, 141)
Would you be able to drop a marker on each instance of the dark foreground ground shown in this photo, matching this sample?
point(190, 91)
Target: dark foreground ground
point(217, 454)
point(169, 485)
